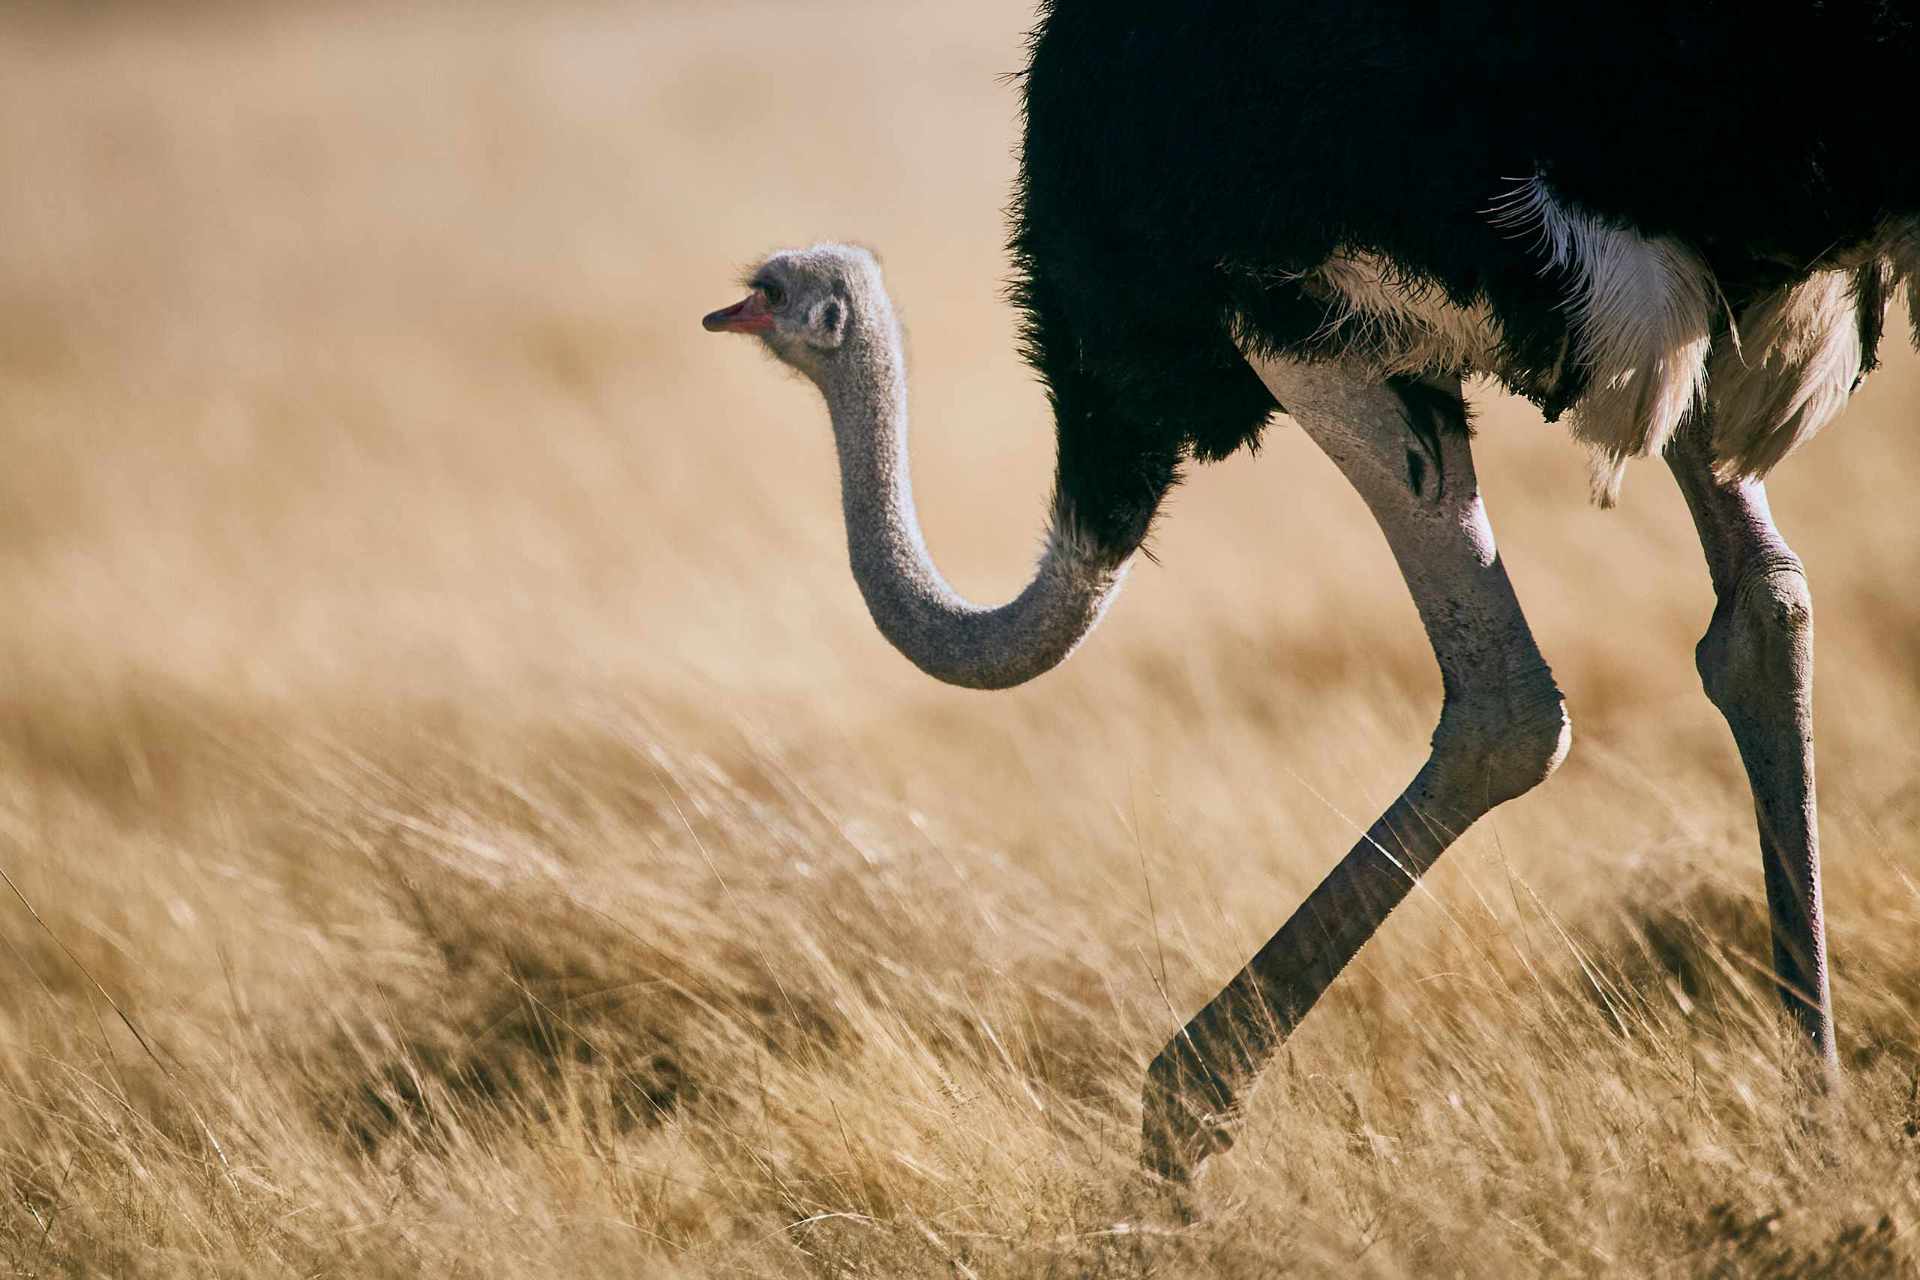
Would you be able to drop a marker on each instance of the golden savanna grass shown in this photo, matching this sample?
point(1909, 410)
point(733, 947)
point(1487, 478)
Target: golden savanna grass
point(438, 715)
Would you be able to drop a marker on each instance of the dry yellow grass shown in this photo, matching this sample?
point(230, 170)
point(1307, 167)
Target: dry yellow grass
point(437, 712)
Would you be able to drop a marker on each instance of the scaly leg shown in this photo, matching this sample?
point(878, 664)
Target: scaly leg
point(1503, 729)
point(1756, 662)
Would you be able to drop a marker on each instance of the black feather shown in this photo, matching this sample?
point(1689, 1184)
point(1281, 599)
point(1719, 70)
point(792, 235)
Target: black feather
point(1185, 164)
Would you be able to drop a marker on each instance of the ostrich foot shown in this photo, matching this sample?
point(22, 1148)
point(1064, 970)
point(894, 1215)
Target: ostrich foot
point(1188, 1111)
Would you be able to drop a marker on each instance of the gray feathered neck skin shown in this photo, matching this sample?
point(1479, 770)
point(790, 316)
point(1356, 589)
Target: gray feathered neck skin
point(825, 312)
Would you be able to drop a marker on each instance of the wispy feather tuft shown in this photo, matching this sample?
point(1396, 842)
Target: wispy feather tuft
point(1642, 310)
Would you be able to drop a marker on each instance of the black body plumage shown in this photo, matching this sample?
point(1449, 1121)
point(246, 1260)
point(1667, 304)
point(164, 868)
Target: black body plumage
point(1184, 166)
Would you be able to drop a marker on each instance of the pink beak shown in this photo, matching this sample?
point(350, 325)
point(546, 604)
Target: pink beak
point(749, 315)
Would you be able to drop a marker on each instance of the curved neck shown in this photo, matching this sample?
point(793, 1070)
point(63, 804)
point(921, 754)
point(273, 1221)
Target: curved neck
point(943, 634)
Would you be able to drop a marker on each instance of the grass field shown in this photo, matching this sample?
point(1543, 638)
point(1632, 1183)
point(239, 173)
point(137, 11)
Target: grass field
point(438, 717)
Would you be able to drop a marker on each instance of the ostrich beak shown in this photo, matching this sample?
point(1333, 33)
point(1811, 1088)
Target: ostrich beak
point(750, 315)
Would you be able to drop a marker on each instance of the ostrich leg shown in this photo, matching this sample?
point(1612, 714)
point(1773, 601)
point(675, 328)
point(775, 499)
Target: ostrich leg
point(1756, 662)
point(1503, 729)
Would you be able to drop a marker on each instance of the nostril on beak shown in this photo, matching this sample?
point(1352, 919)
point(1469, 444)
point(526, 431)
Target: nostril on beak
point(749, 315)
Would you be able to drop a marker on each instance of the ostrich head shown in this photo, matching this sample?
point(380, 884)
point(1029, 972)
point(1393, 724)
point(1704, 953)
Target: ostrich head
point(824, 311)
point(807, 304)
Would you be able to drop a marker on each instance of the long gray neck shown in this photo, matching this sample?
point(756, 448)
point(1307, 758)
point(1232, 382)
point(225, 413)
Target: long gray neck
point(943, 634)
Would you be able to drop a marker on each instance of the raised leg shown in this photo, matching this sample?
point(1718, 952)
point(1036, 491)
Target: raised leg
point(1756, 662)
point(1503, 729)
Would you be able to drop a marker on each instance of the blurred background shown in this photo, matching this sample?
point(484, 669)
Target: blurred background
point(405, 596)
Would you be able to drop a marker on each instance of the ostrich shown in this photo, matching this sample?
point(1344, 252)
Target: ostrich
point(1339, 211)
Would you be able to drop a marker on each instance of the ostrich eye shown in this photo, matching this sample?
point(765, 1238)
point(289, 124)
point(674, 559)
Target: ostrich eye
point(775, 294)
